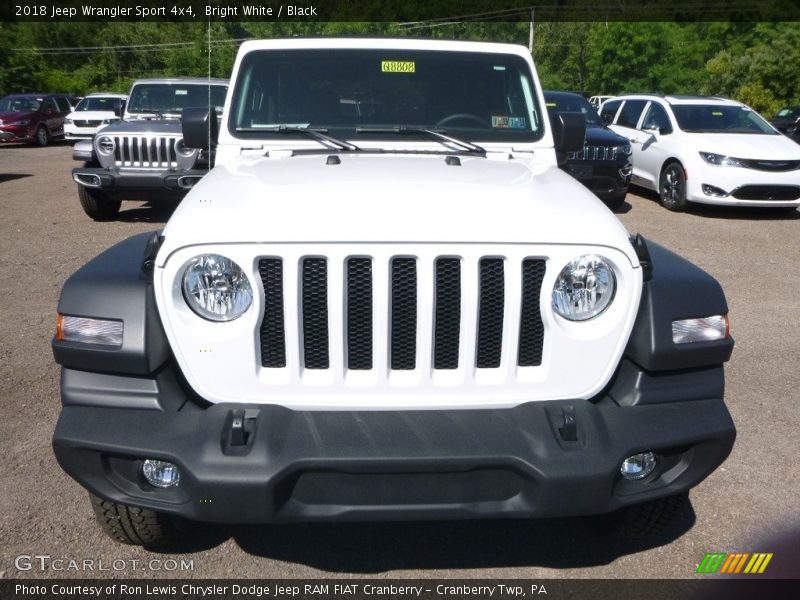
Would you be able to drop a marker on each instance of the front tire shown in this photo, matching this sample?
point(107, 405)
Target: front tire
point(138, 526)
point(42, 136)
point(97, 205)
point(616, 201)
point(672, 187)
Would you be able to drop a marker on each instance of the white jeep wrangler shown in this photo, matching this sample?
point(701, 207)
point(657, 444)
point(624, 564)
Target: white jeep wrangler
point(386, 301)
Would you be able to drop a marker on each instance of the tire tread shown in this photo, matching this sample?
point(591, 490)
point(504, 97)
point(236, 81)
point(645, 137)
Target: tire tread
point(137, 526)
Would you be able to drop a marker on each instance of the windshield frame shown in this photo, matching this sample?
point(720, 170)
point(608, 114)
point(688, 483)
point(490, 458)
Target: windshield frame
point(26, 97)
point(89, 99)
point(490, 132)
point(133, 110)
point(554, 95)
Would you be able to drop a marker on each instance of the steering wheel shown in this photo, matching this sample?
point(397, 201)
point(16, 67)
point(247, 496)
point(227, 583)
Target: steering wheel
point(461, 116)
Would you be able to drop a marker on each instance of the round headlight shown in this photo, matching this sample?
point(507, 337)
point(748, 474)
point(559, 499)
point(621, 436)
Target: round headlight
point(584, 288)
point(216, 288)
point(182, 149)
point(105, 145)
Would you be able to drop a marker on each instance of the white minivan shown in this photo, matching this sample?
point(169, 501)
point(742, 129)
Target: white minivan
point(92, 113)
point(705, 149)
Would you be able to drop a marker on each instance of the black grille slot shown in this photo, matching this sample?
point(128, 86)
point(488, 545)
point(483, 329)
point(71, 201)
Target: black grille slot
point(490, 313)
point(448, 313)
point(359, 313)
point(315, 313)
point(273, 342)
point(531, 328)
point(404, 314)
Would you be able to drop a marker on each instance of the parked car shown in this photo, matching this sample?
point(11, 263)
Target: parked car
point(393, 307)
point(143, 156)
point(787, 121)
point(33, 118)
point(597, 101)
point(707, 150)
point(604, 163)
point(92, 113)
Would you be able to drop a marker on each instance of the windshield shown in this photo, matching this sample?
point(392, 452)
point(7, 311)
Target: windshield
point(99, 103)
point(174, 97)
point(561, 103)
point(19, 104)
point(720, 118)
point(790, 112)
point(476, 96)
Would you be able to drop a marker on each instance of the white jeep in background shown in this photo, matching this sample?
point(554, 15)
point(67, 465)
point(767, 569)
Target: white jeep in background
point(142, 156)
point(386, 301)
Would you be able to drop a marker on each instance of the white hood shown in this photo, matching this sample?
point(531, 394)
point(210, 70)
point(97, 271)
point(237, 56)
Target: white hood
point(744, 145)
point(92, 115)
point(391, 198)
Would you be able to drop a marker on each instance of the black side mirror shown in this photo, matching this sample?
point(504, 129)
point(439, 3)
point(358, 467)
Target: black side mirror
point(119, 108)
point(569, 132)
point(200, 127)
point(608, 118)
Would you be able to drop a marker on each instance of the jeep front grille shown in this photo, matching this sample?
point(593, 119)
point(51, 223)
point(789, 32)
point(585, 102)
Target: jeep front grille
point(481, 314)
point(145, 152)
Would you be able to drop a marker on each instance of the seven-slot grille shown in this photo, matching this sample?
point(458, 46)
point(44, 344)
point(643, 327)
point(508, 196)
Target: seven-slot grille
point(487, 310)
point(145, 151)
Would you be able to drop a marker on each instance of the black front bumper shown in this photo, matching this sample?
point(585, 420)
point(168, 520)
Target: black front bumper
point(395, 464)
point(131, 184)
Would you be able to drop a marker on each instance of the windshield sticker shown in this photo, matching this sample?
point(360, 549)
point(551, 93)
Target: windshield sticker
point(551, 104)
point(398, 66)
point(181, 92)
point(717, 113)
point(499, 122)
point(499, 68)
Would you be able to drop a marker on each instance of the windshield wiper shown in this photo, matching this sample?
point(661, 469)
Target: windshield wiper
point(315, 133)
point(405, 129)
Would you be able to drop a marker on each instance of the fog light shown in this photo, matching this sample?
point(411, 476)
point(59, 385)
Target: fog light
point(711, 190)
point(638, 466)
point(160, 473)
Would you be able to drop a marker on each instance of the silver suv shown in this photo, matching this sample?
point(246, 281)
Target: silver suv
point(143, 156)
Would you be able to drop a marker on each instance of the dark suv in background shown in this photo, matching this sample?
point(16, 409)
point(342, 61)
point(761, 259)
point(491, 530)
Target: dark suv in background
point(34, 118)
point(604, 164)
point(787, 121)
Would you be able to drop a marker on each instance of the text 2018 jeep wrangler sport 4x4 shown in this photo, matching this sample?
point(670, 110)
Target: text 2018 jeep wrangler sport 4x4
point(386, 301)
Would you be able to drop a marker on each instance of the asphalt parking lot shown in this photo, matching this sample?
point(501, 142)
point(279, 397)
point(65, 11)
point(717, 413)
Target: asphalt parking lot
point(750, 504)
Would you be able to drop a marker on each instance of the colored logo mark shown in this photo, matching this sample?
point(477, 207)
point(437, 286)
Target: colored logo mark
point(737, 562)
